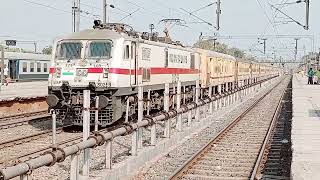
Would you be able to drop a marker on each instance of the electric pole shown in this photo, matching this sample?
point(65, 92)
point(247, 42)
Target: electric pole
point(104, 12)
point(318, 59)
point(218, 14)
point(74, 16)
point(214, 43)
point(296, 49)
point(77, 15)
point(2, 65)
point(306, 27)
point(264, 44)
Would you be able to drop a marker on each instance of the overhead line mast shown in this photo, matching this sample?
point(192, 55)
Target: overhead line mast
point(104, 12)
point(218, 14)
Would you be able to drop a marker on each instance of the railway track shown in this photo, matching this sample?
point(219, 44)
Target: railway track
point(23, 119)
point(274, 161)
point(232, 154)
point(21, 157)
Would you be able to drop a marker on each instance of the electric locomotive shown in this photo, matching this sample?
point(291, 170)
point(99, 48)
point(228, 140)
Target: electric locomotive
point(112, 60)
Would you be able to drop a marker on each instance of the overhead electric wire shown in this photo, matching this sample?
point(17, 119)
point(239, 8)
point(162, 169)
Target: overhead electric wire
point(54, 8)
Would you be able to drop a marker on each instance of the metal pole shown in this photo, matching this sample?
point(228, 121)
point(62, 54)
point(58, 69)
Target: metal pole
point(86, 130)
point(2, 65)
point(25, 177)
point(140, 114)
point(153, 132)
point(134, 141)
point(127, 111)
point(74, 171)
point(220, 99)
point(211, 104)
point(227, 97)
point(218, 14)
point(96, 115)
point(104, 13)
point(77, 14)
point(74, 16)
point(295, 50)
point(108, 154)
point(264, 46)
point(148, 102)
point(166, 109)
point(54, 128)
point(35, 46)
point(197, 118)
point(179, 119)
point(307, 14)
point(184, 94)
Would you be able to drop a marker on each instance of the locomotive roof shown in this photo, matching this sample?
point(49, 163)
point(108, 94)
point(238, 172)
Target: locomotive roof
point(95, 34)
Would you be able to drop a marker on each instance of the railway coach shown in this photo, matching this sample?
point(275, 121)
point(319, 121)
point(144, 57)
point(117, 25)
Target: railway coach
point(113, 60)
point(27, 66)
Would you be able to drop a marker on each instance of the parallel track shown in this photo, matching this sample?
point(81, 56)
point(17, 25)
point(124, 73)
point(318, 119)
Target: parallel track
point(22, 119)
point(35, 153)
point(274, 161)
point(232, 154)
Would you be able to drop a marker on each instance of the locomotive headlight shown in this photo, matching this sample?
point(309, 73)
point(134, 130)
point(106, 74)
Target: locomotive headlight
point(58, 73)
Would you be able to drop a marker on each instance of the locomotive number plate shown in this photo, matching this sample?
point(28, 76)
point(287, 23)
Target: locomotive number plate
point(101, 84)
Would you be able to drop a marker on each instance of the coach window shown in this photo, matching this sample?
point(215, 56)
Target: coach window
point(24, 67)
point(45, 67)
point(38, 67)
point(32, 67)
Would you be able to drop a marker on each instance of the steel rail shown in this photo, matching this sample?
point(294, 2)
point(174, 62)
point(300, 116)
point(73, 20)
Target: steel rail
point(28, 138)
point(52, 157)
point(179, 172)
point(34, 154)
point(21, 119)
point(38, 152)
point(267, 138)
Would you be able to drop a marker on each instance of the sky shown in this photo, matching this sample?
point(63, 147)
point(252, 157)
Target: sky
point(242, 21)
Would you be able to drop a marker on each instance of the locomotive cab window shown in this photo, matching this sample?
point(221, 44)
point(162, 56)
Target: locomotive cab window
point(69, 50)
point(100, 49)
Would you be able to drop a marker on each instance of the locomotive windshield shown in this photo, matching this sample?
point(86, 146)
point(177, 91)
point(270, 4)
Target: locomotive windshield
point(69, 50)
point(100, 49)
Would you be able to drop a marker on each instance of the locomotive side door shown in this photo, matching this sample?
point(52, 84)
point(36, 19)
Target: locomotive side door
point(134, 63)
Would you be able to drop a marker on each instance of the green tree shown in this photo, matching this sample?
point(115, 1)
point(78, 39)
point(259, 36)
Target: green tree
point(219, 47)
point(47, 50)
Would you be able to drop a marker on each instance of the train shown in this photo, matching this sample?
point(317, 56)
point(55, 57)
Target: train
point(27, 66)
point(113, 60)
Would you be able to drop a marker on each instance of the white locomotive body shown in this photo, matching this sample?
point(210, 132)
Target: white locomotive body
point(113, 63)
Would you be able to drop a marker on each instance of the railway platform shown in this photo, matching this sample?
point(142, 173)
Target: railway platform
point(23, 90)
point(305, 130)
